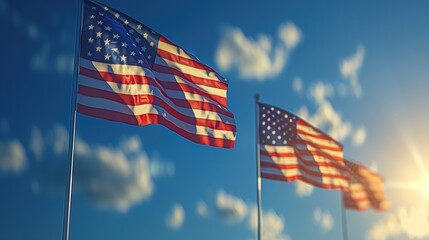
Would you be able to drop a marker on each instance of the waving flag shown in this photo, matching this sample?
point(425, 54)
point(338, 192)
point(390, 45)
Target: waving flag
point(366, 189)
point(132, 74)
point(291, 149)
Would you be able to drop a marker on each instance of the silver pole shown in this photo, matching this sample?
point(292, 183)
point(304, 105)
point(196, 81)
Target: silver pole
point(258, 170)
point(72, 135)
point(344, 218)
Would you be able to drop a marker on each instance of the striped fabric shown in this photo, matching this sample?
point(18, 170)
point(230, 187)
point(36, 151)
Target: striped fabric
point(130, 73)
point(291, 149)
point(366, 189)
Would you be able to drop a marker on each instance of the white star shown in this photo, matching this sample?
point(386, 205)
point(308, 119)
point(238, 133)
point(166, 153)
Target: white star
point(106, 8)
point(98, 34)
point(126, 22)
point(124, 44)
point(106, 42)
point(90, 40)
point(101, 14)
point(137, 39)
point(115, 36)
point(144, 48)
point(89, 54)
point(107, 56)
point(123, 58)
point(131, 31)
point(139, 27)
point(117, 15)
point(145, 35)
point(114, 49)
point(108, 28)
point(133, 53)
point(92, 17)
point(140, 61)
point(100, 22)
point(149, 57)
point(93, 8)
point(90, 27)
point(152, 43)
point(98, 49)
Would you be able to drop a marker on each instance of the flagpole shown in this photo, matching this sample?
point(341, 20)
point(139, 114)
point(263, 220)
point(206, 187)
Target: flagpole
point(344, 218)
point(258, 170)
point(72, 134)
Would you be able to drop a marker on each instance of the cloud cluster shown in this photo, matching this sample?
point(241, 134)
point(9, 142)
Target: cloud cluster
point(412, 223)
point(257, 59)
point(297, 85)
point(232, 210)
point(324, 219)
point(115, 177)
point(349, 69)
point(303, 189)
point(12, 156)
point(176, 217)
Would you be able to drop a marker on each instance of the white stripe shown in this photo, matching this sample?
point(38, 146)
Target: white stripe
point(152, 109)
point(303, 165)
point(174, 50)
point(141, 89)
point(277, 149)
point(297, 172)
point(310, 130)
point(201, 73)
point(307, 147)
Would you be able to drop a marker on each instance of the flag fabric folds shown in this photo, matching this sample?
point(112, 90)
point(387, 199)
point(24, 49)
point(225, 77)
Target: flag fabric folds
point(132, 74)
point(292, 149)
point(365, 190)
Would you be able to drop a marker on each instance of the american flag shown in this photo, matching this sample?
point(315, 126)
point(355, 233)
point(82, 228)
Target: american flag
point(130, 73)
point(291, 149)
point(366, 189)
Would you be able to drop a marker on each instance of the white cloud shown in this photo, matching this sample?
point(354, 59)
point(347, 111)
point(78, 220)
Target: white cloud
point(256, 59)
point(231, 208)
point(272, 225)
point(4, 126)
point(359, 136)
point(297, 85)
point(290, 34)
point(324, 219)
point(113, 177)
point(12, 157)
point(202, 209)
point(36, 142)
point(321, 91)
point(176, 217)
point(350, 67)
point(161, 168)
point(412, 223)
point(303, 189)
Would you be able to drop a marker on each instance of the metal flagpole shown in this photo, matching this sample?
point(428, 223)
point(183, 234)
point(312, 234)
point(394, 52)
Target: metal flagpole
point(258, 170)
point(344, 219)
point(72, 134)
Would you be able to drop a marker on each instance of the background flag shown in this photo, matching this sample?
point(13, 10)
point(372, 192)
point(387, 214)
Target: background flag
point(366, 189)
point(291, 149)
point(130, 73)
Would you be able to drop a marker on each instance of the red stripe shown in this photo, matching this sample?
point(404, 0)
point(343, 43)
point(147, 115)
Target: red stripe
point(135, 100)
point(319, 146)
point(145, 119)
point(189, 77)
point(182, 60)
point(302, 178)
point(304, 123)
point(302, 168)
point(318, 153)
point(278, 154)
point(163, 39)
point(137, 79)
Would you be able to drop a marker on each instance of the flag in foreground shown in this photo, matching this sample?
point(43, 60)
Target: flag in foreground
point(291, 149)
point(365, 190)
point(130, 73)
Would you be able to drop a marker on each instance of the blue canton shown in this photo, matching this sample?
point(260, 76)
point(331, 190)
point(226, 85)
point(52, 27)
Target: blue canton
point(109, 36)
point(276, 126)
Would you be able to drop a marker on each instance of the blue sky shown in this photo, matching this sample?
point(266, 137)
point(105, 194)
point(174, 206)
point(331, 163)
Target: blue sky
point(358, 70)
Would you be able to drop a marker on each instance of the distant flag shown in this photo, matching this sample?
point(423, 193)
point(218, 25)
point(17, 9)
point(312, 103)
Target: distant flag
point(292, 149)
point(132, 74)
point(365, 190)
